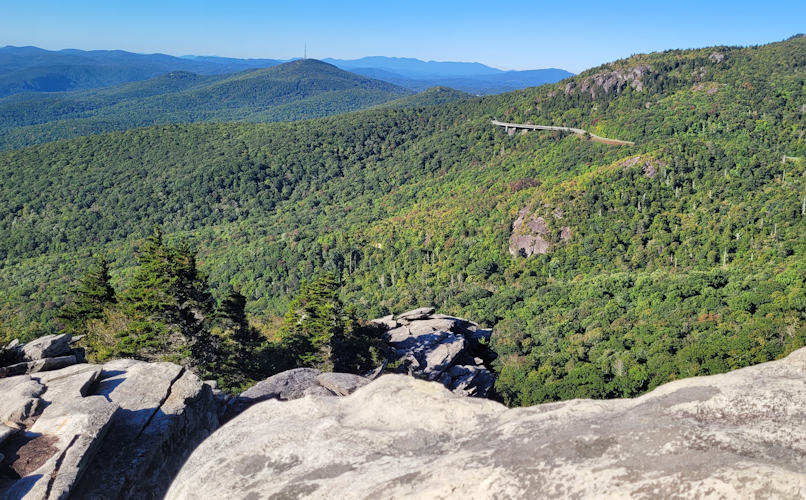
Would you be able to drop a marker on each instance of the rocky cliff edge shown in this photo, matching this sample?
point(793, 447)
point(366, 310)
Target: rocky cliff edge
point(735, 435)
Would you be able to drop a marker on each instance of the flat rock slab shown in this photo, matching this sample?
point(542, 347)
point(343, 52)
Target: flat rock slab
point(20, 400)
point(70, 384)
point(387, 322)
point(119, 430)
point(415, 314)
point(39, 365)
point(156, 421)
point(284, 386)
point(736, 435)
point(49, 346)
point(341, 384)
point(71, 432)
point(426, 326)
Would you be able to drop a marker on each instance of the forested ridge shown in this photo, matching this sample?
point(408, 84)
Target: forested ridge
point(295, 90)
point(680, 255)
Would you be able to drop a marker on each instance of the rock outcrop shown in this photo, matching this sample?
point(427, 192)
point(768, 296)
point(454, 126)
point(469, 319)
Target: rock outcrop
point(615, 81)
point(531, 234)
point(736, 435)
point(295, 384)
point(50, 352)
point(441, 348)
point(118, 430)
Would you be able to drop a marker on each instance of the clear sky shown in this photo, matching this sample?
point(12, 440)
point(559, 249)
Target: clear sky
point(569, 34)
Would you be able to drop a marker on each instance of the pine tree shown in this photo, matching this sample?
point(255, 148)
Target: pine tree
point(91, 296)
point(168, 302)
point(313, 319)
point(319, 331)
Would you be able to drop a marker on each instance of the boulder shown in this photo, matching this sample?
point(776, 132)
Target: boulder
point(49, 346)
point(284, 386)
point(387, 322)
point(432, 325)
point(426, 345)
point(735, 435)
point(469, 380)
point(318, 391)
point(38, 365)
point(341, 384)
point(287, 385)
point(415, 314)
point(20, 400)
point(429, 355)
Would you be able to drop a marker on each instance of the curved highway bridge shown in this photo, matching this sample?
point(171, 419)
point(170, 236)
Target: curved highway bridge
point(578, 131)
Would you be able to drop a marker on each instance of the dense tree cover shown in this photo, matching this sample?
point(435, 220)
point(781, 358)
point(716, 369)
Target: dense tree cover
point(319, 331)
point(291, 91)
point(685, 255)
point(90, 298)
point(31, 69)
point(166, 312)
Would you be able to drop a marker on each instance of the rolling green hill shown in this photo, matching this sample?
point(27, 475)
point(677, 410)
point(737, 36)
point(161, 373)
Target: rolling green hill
point(291, 91)
point(31, 69)
point(681, 255)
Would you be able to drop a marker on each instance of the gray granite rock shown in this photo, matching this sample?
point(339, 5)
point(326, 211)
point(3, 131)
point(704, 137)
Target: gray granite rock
point(415, 314)
point(428, 355)
point(475, 381)
point(20, 400)
point(341, 384)
point(387, 322)
point(120, 430)
point(736, 435)
point(426, 345)
point(38, 365)
point(48, 346)
point(162, 408)
point(287, 385)
point(284, 386)
point(73, 429)
point(5, 433)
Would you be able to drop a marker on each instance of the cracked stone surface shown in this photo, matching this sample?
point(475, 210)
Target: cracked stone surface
point(119, 430)
point(736, 435)
point(440, 347)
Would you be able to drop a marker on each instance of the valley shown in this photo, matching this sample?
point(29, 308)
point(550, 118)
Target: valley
point(678, 253)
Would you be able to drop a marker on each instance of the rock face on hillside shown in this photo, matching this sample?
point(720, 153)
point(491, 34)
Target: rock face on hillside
point(441, 348)
point(531, 234)
point(50, 352)
point(736, 435)
point(118, 430)
point(611, 81)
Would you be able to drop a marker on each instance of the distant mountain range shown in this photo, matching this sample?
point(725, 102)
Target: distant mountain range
point(474, 78)
point(290, 91)
point(31, 69)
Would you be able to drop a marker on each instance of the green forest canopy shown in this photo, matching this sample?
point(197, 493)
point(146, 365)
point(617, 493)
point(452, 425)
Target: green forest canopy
point(686, 250)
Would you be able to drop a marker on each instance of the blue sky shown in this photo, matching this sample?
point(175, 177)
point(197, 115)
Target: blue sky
point(511, 35)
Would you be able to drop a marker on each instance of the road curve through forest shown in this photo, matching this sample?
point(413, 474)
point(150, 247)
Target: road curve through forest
point(578, 131)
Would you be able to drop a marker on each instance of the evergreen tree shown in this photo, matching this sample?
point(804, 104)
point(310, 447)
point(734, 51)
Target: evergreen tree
point(313, 319)
point(92, 294)
point(168, 303)
point(241, 346)
point(319, 331)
